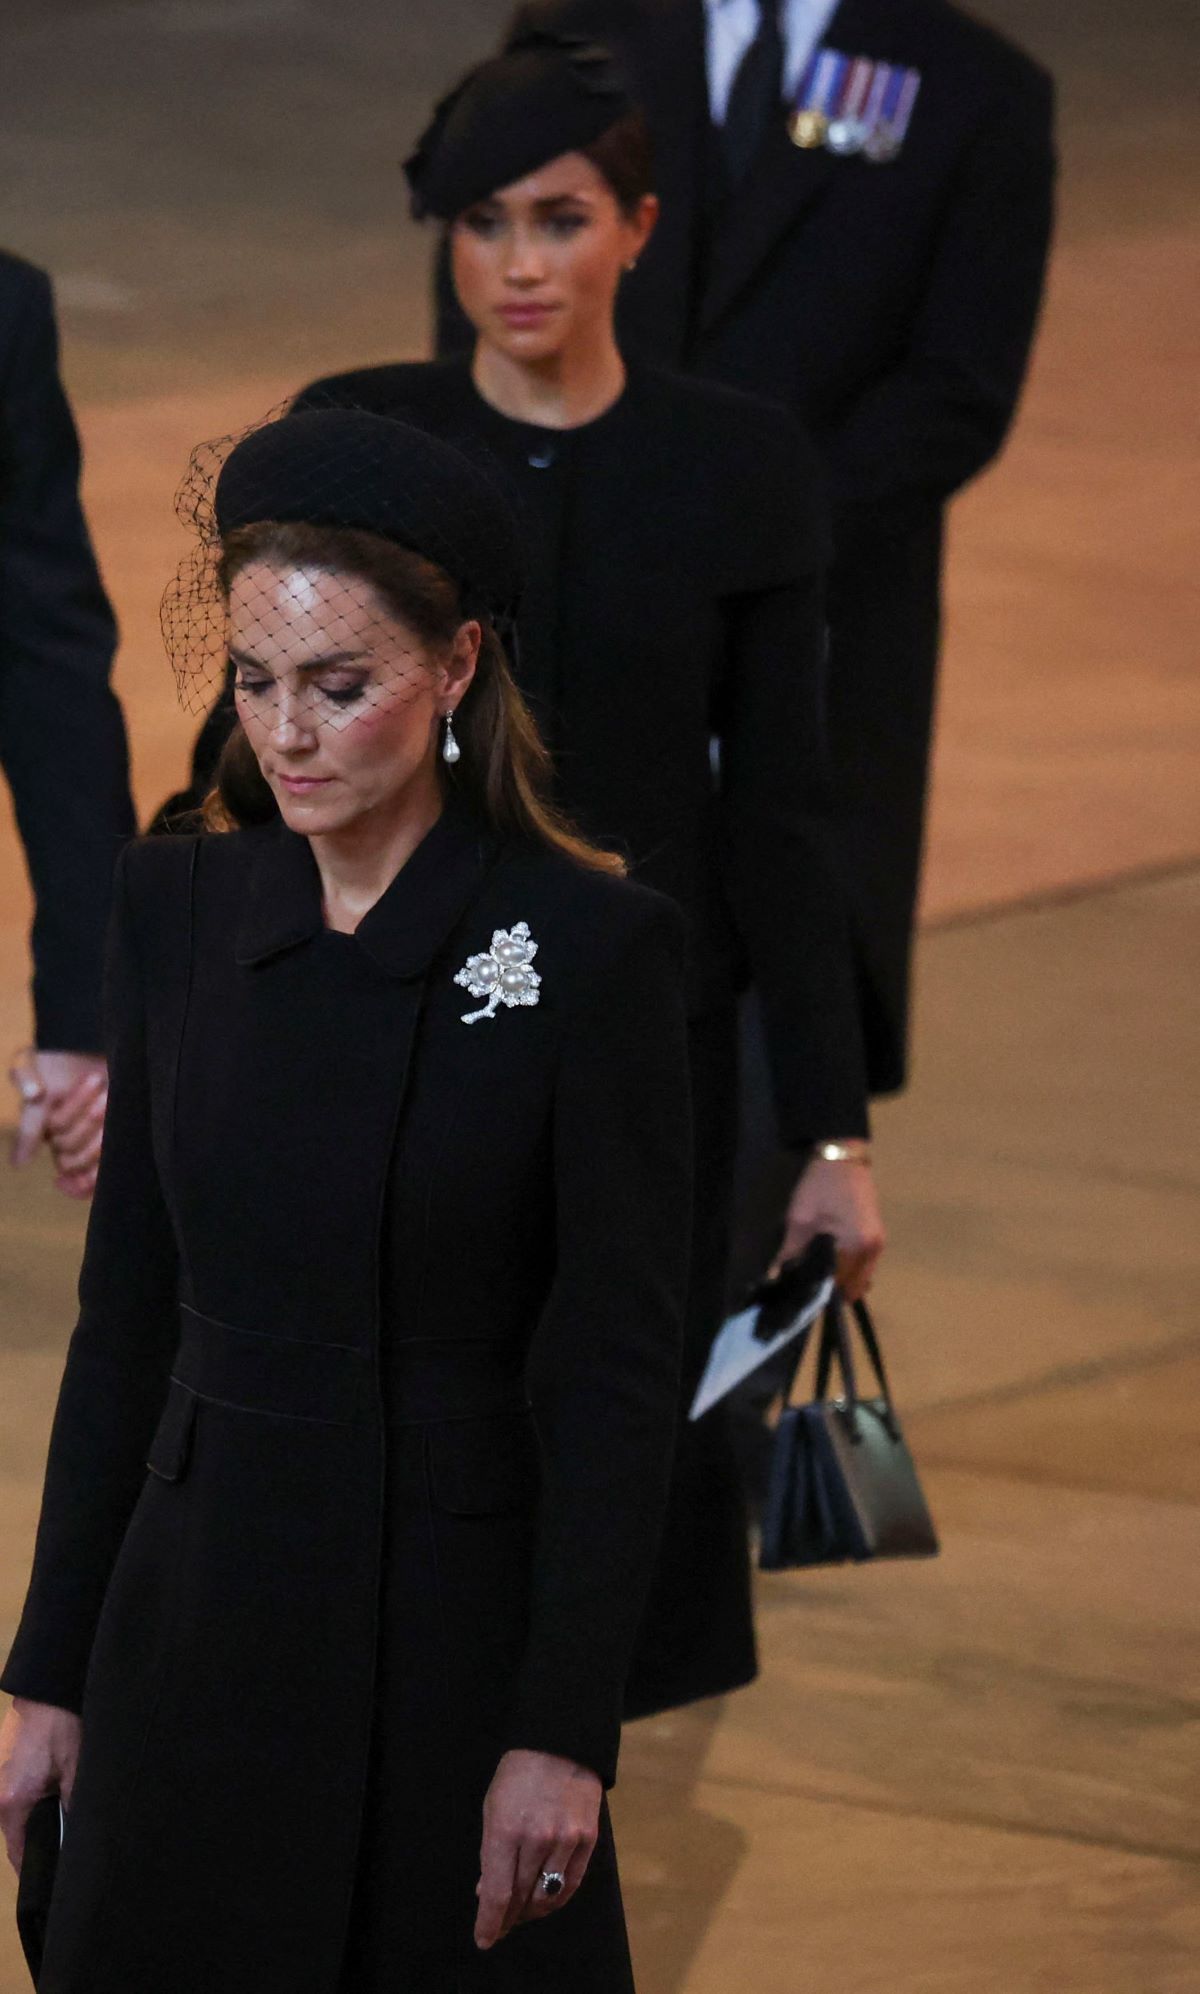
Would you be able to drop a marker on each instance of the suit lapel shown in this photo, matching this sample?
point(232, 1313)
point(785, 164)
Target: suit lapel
point(780, 185)
point(784, 181)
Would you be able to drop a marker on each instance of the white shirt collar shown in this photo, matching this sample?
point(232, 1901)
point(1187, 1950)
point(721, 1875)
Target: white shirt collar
point(730, 27)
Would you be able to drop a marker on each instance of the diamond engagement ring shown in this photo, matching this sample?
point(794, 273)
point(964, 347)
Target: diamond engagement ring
point(25, 1079)
point(552, 1881)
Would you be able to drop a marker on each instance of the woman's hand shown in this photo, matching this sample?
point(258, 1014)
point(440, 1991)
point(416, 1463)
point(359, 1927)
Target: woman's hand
point(39, 1750)
point(541, 1813)
point(838, 1198)
point(63, 1098)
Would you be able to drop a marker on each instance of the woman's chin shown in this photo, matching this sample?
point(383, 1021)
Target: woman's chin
point(529, 343)
point(313, 811)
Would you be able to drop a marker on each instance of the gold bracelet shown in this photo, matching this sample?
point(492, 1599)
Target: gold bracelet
point(843, 1152)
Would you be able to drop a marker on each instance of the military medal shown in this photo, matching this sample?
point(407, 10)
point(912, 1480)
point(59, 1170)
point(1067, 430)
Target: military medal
point(820, 89)
point(853, 104)
point(890, 129)
point(807, 129)
point(881, 76)
point(848, 131)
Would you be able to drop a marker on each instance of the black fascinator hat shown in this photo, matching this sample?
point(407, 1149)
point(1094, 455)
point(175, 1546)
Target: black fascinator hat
point(544, 95)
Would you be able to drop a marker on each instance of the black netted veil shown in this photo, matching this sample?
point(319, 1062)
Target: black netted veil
point(357, 473)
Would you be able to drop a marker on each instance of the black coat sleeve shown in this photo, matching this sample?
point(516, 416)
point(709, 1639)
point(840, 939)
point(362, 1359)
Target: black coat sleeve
point(921, 431)
point(117, 1365)
point(62, 737)
point(603, 1369)
point(777, 796)
point(784, 887)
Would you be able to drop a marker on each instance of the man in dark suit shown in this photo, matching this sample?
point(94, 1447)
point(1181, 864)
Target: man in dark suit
point(878, 266)
point(62, 737)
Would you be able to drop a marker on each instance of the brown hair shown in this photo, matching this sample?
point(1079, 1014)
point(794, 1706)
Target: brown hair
point(624, 157)
point(504, 771)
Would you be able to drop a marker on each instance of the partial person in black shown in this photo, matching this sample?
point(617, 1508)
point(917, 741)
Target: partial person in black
point(674, 599)
point(384, 1284)
point(880, 273)
point(62, 737)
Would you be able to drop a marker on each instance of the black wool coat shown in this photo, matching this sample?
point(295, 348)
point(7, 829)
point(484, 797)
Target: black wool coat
point(62, 737)
point(892, 308)
point(362, 1446)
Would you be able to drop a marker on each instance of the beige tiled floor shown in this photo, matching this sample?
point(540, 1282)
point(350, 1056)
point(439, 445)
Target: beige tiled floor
point(969, 1777)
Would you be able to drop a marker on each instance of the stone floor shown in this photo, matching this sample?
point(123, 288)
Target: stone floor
point(971, 1777)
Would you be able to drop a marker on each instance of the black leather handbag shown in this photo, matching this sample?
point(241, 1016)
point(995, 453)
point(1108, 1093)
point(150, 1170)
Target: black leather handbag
point(842, 1485)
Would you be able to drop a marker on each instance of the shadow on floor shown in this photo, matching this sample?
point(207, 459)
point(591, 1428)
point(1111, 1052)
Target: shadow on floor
point(679, 1860)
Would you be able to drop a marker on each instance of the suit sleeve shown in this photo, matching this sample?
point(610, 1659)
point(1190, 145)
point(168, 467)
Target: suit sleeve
point(919, 433)
point(117, 1366)
point(603, 1369)
point(778, 810)
point(62, 737)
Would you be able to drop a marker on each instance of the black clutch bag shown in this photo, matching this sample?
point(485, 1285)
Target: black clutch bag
point(43, 1839)
point(842, 1484)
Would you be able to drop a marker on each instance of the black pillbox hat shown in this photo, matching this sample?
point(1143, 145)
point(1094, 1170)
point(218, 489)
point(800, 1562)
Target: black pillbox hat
point(349, 468)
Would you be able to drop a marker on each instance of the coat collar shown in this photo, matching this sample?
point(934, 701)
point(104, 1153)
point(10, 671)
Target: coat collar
point(405, 928)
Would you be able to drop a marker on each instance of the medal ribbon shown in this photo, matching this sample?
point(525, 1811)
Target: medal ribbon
point(904, 108)
point(879, 86)
point(858, 84)
point(830, 82)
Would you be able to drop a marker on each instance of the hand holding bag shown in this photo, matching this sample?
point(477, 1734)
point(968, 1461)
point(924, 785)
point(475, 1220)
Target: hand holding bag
point(843, 1484)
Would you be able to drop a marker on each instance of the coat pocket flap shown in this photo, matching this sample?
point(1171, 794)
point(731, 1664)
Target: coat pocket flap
point(484, 1467)
point(172, 1443)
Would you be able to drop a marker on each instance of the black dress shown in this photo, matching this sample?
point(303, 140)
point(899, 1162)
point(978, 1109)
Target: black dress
point(390, 1305)
point(676, 549)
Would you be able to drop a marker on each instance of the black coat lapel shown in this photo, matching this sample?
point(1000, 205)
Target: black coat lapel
point(783, 183)
point(403, 930)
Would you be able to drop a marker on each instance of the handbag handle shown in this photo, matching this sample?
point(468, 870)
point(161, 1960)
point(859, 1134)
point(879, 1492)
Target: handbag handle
point(835, 1342)
point(866, 1329)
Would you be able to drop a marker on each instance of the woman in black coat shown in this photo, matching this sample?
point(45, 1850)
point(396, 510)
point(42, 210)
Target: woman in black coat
point(383, 1286)
point(674, 600)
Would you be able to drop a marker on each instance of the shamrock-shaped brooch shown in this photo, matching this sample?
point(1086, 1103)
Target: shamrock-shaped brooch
point(503, 974)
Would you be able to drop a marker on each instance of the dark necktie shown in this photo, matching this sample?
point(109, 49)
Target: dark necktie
point(757, 91)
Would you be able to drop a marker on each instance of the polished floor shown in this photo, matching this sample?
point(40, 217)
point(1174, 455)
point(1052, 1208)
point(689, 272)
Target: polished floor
point(972, 1777)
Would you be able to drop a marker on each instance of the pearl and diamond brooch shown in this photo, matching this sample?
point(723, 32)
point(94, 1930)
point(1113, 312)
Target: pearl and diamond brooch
point(502, 974)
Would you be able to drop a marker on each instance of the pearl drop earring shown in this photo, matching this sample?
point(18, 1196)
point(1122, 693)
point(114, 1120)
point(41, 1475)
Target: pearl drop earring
point(451, 752)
